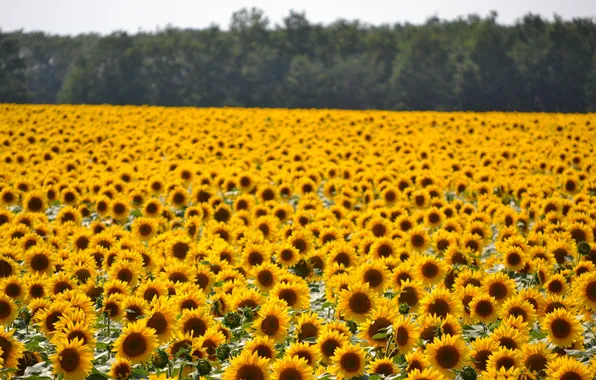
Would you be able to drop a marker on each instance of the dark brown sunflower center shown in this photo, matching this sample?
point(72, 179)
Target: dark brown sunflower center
point(308, 330)
point(513, 259)
point(265, 278)
point(555, 287)
point(51, 319)
point(35, 204)
point(286, 254)
point(270, 325)
point(196, 326)
point(591, 291)
point(571, 376)
point(5, 309)
point(13, 290)
point(69, 359)
point(560, 328)
point(134, 345)
point(290, 374)
point(125, 275)
point(505, 362)
point(250, 371)
point(350, 362)
point(289, 296)
point(497, 290)
point(430, 270)
point(77, 334)
point(378, 324)
point(158, 322)
point(536, 363)
point(439, 307)
point(379, 230)
point(360, 303)
point(328, 347)
point(306, 356)
point(402, 336)
point(264, 351)
point(481, 358)
point(409, 296)
point(508, 343)
point(373, 277)
point(180, 250)
point(447, 356)
point(384, 369)
point(418, 241)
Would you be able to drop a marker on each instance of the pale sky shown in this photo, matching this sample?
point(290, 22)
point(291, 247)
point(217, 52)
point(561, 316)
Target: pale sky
point(105, 16)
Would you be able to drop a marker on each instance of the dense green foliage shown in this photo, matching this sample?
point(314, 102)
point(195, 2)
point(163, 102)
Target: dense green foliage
point(470, 63)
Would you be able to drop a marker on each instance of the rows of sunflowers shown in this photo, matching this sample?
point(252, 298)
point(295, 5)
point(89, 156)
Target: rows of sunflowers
point(143, 242)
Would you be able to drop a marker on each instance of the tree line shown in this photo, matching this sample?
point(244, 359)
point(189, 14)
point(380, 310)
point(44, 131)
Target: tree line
point(471, 63)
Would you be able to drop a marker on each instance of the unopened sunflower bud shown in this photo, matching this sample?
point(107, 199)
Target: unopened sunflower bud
point(203, 367)
point(232, 320)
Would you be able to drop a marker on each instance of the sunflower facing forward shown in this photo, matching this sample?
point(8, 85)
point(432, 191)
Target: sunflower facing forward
point(73, 359)
point(136, 343)
point(447, 353)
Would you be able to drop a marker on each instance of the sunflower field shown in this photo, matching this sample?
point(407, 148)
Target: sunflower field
point(266, 244)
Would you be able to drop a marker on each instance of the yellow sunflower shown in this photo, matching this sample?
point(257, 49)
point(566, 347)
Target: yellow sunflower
point(348, 362)
point(446, 354)
point(136, 343)
point(247, 365)
point(72, 359)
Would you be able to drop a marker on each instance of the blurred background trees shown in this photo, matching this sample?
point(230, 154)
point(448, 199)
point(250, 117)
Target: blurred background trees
point(471, 63)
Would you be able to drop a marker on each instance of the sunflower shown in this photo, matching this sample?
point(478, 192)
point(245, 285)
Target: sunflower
point(425, 374)
point(72, 359)
point(411, 293)
point(266, 275)
point(504, 358)
point(144, 228)
point(556, 284)
point(136, 343)
point(196, 322)
point(374, 274)
point(446, 354)
point(162, 319)
point(383, 366)
point(440, 302)
point(69, 330)
point(536, 357)
point(584, 289)
point(406, 334)
point(121, 369)
point(263, 346)
point(295, 294)
point(209, 342)
point(135, 308)
point(304, 351)
point(499, 286)
point(8, 310)
point(429, 269)
point(482, 349)
point(12, 349)
point(292, 368)
point(272, 320)
point(518, 307)
point(308, 326)
point(348, 361)
point(247, 365)
point(243, 297)
point(126, 271)
point(378, 321)
point(151, 289)
point(48, 318)
point(287, 255)
point(328, 342)
point(13, 286)
point(357, 302)
point(562, 327)
point(418, 239)
point(566, 367)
